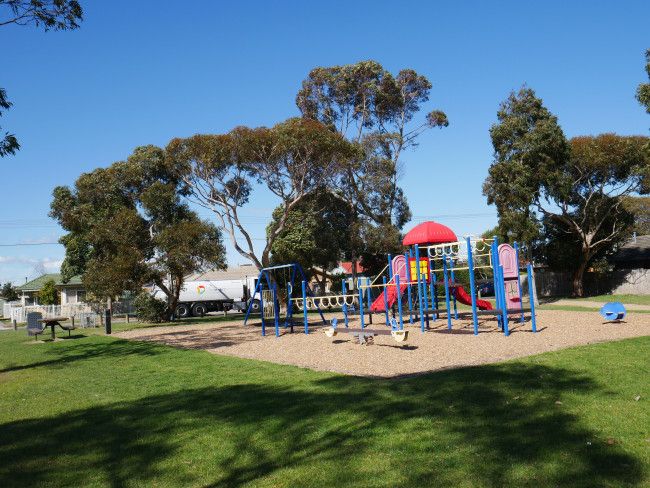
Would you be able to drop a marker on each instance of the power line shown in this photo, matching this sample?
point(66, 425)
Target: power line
point(16, 244)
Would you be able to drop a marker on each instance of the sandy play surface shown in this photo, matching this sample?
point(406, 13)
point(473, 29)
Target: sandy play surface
point(436, 349)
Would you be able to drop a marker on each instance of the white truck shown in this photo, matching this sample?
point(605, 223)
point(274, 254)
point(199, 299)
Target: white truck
point(200, 297)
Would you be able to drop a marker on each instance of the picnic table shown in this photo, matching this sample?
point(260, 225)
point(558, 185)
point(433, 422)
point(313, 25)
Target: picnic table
point(52, 322)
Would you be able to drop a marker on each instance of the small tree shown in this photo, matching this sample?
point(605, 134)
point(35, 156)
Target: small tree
point(316, 233)
point(9, 292)
point(48, 294)
point(538, 179)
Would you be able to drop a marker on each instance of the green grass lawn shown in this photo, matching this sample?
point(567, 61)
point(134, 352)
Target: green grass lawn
point(99, 411)
point(579, 308)
point(635, 299)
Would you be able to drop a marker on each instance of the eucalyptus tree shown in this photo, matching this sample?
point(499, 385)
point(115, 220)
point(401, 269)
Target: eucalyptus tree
point(316, 234)
point(291, 160)
point(127, 225)
point(368, 105)
point(539, 179)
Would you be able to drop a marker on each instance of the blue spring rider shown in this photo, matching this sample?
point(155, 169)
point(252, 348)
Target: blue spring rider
point(613, 311)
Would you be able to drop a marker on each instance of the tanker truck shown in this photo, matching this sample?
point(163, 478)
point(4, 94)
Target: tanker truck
point(202, 296)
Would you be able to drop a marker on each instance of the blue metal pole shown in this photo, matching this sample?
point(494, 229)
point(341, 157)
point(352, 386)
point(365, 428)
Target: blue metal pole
point(304, 306)
point(383, 279)
point(425, 292)
point(408, 286)
point(368, 294)
point(434, 315)
point(472, 284)
point(399, 302)
point(531, 294)
point(521, 295)
point(453, 280)
point(495, 278)
point(446, 278)
point(345, 304)
point(390, 268)
point(503, 301)
point(435, 291)
point(262, 311)
point(276, 308)
point(417, 271)
point(363, 326)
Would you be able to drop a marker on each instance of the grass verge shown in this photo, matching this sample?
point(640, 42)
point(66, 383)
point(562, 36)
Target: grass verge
point(99, 411)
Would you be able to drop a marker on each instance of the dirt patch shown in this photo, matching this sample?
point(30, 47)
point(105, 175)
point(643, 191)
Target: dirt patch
point(436, 349)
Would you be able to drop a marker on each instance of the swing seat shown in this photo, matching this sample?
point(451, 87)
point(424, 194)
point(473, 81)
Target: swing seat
point(399, 335)
point(330, 332)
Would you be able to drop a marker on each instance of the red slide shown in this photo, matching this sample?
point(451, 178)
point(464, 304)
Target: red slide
point(378, 304)
point(463, 297)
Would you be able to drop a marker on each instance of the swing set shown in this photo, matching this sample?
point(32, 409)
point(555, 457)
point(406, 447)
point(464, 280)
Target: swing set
point(275, 309)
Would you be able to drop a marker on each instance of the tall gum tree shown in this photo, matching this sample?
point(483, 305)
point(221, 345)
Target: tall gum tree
point(373, 108)
point(579, 186)
point(290, 160)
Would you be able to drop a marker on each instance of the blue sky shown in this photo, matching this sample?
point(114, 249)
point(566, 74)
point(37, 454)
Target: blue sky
point(143, 72)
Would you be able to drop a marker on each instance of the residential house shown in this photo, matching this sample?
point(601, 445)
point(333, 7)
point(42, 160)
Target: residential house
point(70, 293)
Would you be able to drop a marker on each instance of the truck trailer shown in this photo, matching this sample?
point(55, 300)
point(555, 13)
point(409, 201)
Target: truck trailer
point(197, 298)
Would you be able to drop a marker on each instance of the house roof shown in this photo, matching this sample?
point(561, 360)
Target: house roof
point(634, 253)
point(232, 273)
point(347, 267)
point(37, 283)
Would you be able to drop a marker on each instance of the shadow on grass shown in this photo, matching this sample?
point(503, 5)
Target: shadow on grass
point(80, 351)
point(486, 426)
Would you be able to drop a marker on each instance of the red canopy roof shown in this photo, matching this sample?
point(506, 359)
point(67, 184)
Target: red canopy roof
point(429, 233)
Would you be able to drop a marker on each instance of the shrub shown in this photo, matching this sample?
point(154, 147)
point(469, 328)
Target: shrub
point(149, 309)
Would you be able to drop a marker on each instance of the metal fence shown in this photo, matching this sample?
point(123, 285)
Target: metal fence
point(84, 314)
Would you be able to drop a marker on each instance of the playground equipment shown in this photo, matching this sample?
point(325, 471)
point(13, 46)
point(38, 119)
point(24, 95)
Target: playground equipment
point(613, 311)
point(271, 307)
point(419, 285)
point(366, 336)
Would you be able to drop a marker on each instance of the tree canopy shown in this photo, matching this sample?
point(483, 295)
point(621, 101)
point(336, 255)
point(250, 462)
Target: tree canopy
point(49, 14)
point(374, 108)
point(643, 91)
point(48, 294)
point(316, 234)
point(9, 292)
point(291, 160)
point(538, 179)
point(8, 144)
point(128, 226)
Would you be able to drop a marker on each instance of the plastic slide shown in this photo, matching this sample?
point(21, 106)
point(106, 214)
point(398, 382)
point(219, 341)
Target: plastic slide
point(463, 297)
point(379, 305)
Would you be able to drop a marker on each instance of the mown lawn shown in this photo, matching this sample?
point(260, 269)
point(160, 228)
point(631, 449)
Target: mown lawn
point(635, 299)
point(99, 411)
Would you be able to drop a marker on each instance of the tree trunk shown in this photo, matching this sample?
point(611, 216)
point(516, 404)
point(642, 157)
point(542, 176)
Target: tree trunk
point(578, 276)
point(173, 298)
